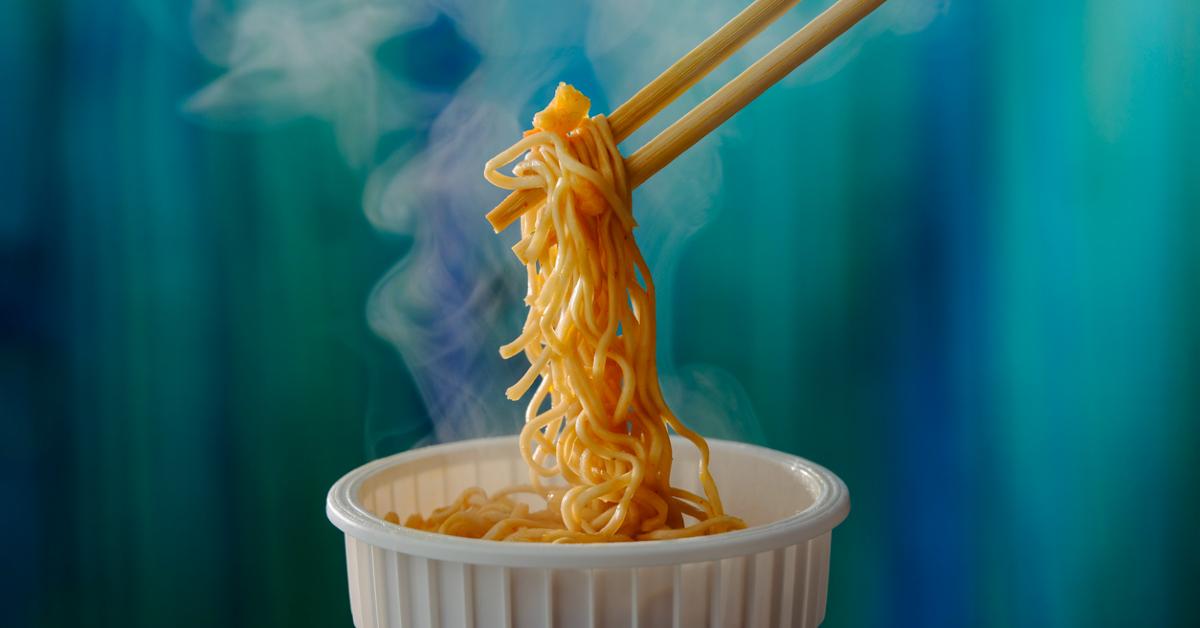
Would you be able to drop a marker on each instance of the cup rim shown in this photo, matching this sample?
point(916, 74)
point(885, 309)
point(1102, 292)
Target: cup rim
point(831, 505)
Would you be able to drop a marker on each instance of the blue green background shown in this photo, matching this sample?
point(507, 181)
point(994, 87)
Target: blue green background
point(974, 293)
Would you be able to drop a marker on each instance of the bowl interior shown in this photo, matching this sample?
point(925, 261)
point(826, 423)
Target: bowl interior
point(757, 485)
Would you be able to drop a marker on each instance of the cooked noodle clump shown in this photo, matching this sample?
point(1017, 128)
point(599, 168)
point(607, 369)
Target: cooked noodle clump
point(596, 425)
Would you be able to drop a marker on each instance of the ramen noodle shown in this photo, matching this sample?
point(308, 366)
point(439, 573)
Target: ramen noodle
point(596, 435)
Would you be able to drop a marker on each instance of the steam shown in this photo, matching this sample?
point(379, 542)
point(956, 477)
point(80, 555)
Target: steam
point(457, 295)
point(289, 59)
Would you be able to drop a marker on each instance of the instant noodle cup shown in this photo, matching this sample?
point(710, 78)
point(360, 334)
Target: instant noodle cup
point(774, 573)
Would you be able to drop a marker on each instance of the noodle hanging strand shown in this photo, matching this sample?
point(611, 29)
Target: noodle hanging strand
point(596, 419)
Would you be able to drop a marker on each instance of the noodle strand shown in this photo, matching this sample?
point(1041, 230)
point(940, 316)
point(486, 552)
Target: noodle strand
point(589, 338)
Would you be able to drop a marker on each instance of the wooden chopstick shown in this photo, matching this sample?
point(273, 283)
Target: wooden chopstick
point(745, 87)
point(719, 107)
point(664, 89)
point(695, 65)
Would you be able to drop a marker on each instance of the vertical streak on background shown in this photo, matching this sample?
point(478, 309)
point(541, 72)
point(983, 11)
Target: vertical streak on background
point(1124, 220)
point(940, 276)
point(1181, 511)
point(1036, 256)
point(1081, 273)
point(25, 357)
point(899, 226)
point(139, 309)
point(103, 555)
point(961, 160)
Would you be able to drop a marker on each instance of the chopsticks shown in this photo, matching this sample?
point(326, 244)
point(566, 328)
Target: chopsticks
point(695, 65)
point(717, 108)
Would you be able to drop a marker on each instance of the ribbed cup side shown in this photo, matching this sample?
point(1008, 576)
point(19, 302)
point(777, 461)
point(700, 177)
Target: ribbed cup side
point(782, 588)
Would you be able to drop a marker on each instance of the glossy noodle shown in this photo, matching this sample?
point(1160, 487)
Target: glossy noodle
point(596, 434)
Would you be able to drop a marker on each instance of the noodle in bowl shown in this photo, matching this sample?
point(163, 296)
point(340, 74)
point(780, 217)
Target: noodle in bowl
point(605, 510)
point(596, 438)
point(773, 573)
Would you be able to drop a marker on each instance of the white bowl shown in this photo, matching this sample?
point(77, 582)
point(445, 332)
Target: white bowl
point(774, 573)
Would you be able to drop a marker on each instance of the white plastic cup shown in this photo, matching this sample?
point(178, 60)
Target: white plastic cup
point(774, 573)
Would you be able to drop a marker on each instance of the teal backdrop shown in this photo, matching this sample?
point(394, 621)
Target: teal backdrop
point(957, 261)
